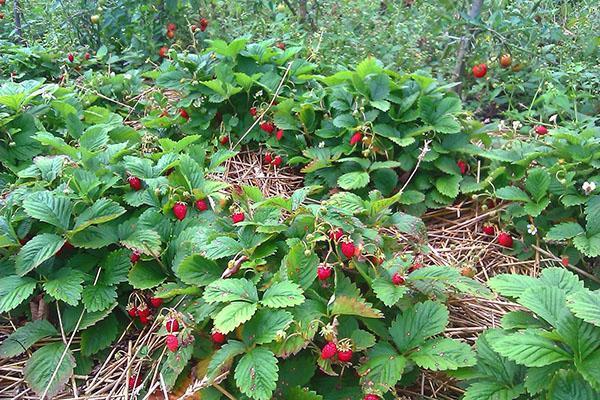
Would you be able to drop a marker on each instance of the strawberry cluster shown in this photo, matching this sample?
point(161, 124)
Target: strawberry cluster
point(141, 307)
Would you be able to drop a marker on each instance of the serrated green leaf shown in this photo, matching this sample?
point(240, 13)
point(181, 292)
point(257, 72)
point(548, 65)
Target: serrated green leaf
point(265, 325)
point(448, 185)
point(41, 365)
point(103, 210)
point(512, 193)
point(227, 290)
point(14, 290)
point(588, 245)
point(568, 385)
point(564, 231)
point(174, 365)
point(354, 180)
point(99, 297)
point(283, 294)
point(198, 271)
point(537, 183)
point(561, 278)
point(222, 247)
point(36, 251)
point(65, 285)
point(145, 275)
point(99, 336)
point(384, 366)
point(26, 336)
point(256, 374)
point(412, 327)
point(233, 315)
point(512, 285)
point(387, 292)
point(585, 305)
point(49, 207)
point(530, 349)
point(301, 269)
point(443, 354)
point(146, 241)
point(298, 393)
point(221, 360)
point(362, 340)
point(548, 303)
point(493, 391)
point(114, 267)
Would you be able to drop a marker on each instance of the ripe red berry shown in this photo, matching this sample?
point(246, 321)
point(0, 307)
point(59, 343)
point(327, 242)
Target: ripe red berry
point(224, 140)
point(398, 279)
point(201, 205)
point(65, 248)
point(344, 356)
point(135, 256)
point(171, 26)
point(134, 381)
point(170, 34)
point(71, 57)
point(268, 127)
point(324, 272)
point(172, 325)
point(348, 248)
point(131, 310)
point(203, 24)
point(357, 137)
point(328, 351)
point(414, 267)
point(279, 134)
point(541, 130)
point(144, 319)
point(336, 234)
point(172, 343)
point(184, 114)
point(277, 161)
point(238, 217)
point(268, 158)
point(253, 111)
point(488, 229)
point(218, 337)
point(156, 302)
point(87, 56)
point(135, 183)
point(463, 166)
point(180, 210)
point(505, 240)
point(371, 397)
point(479, 70)
point(564, 261)
point(143, 311)
point(162, 52)
point(280, 45)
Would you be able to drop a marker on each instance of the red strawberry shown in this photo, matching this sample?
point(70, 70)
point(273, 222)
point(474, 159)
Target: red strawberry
point(144, 319)
point(87, 56)
point(66, 248)
point(279, 134)
point(135, 256)
point(201, 205)
point(324, 272)
point(172, 325)
point(344, 356)
point(328, 351)
point(415, 266)
point(194, 28)
point(184, 114)
point(336, 234)
point(348, 248)
point(218, 337)
point(224, 140)
point(479, 70)
point(277, 161)
point(203, 24)
point(172, 343)
point(398, 279)
point(170, 34)
point(488, 229)
point(238, 217)
point(131, 310)
point(505, 240)
point(268, 158)
point(162, 52)
point(134, 381)
point(156, 302)
point(171, 27)
point(253, 111)
point(565, 261)
point(71, 57)
point(357, 137)
point(280, 45)
point(179, 210)
point(143, 311)
point(135, 183)
point(371, 397)
point(463, 166)
point(541, 130)
point(24, 240)
point(268, 127)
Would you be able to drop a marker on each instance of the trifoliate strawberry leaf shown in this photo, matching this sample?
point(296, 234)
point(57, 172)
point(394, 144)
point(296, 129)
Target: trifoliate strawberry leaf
point(354, 180)
point(221, 360)
point(413, 326)
point(146, 275)
point(387, 292)
point(448, 185)
point(349, 301)
point(233, 315)
point(256, 374)
point(40, 368)
point(265, 326)
point(14, 290)
point(383, 368)
point(222, 247)
point(588, 245)
point(561, 278)
point(36, 251)
point(70, 316)
point(512, 193)
point(146, 241)
point(488, 390)
point(114, 267)
point(548, 303)
point(95, 237)
point(103, 210)
point(65, 285)
point(530, 349)
point(174, 365)
point(585, 305)
point(198, 271)
point(564, 231)
point(49, 207)
point(569, 385)
point(362, 340)
point(537, 183)
point(510, 285)
point(283, 294)
point(443, 354)
point(227, 290)
point(301, 268)
point(26, 336)
point(99, 336)
point(99, 297)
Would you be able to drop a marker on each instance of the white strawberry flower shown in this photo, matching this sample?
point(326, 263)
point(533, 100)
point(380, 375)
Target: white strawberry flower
point(588, 187)
point(321, 145)
point(531, 229)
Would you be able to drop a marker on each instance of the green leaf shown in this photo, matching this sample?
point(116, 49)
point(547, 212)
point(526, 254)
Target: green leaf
point(221, 360)
point(362, 340)
point(174, 365)
point(145, 275)
point(301, 268)
point(448, 185)
point(99, 297)
point(266, 324)
point(283, 294)
point(537, 183)
point(348, 202)
point(227, 290)
point(387, 292)
point(65, 285)
point(103, 210)
point(413, 326)
point(198, 271)
point(146, 241)
point(581, 337)
point(384, 366)
point(36, 251)
point(588, 365)
point(568, 385)
point(561, 278)
point(14, 290)
point(520, 320)
point(114, 267)
point(584, 304)
point(529, 349)
point(233, 315)
point(26, 336)
point(298, 393)
point(512, 193)
point(354, 180)
point(443, 354)
point(511, 285)
point(48, 207)
point(222, 247)
point(535, 209)
point(41, 366)
point(99, 336)
point(493, 391)
point(71, 315)
point(256, 374)
point(354, 304)
point(564, 231)
point(547, 302)
point(588, 245)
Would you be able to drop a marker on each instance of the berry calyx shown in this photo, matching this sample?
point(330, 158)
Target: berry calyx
point(172, 325)
point(218, 337)
point(238, 217)
point(172, 343)
point(398, 279)
point(324, 271)
point(488, 229)
point(479, 70)
point(462, 166)
point(135, 256)
point(336, 234)
point(328, 351)
point(505, 240)
point(156, 302)
point(224, 140)
point(277, 161)
point(135, 183)
point(131, 310)
point(348, 248)
point(541, 130)
point(180, 210)
point(201, 205)
point(357, 137)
